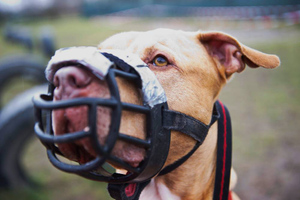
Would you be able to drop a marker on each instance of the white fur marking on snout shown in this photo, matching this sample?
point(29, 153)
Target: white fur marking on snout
point(158, 191)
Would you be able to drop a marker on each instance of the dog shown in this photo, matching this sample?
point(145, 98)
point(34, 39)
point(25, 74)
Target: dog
point(192, 68)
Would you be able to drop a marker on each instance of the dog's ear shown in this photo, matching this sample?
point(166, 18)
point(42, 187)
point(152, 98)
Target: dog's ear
point(232, 55)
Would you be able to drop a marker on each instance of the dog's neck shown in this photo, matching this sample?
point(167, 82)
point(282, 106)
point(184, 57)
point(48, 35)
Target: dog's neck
point(192, 180)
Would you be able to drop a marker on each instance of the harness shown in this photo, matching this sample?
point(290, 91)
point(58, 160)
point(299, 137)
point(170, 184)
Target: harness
point(132, 191)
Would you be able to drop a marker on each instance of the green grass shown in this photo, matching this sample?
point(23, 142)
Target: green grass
point(67, 31)
point(264, 105)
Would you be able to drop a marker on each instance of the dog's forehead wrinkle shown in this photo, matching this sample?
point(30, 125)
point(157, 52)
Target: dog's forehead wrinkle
point(119, 41)
point(164, 41)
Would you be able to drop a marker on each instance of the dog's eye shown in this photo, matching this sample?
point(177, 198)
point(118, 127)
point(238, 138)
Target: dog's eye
point(160, 61)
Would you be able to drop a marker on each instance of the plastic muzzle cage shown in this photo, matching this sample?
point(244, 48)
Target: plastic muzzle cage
point(156, 143)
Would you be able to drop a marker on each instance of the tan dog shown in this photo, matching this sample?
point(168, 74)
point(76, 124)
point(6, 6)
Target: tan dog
point(192, 67)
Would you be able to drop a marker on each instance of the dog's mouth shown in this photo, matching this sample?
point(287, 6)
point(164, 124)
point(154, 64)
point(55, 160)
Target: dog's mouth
point(70, 85)
point(82, 151)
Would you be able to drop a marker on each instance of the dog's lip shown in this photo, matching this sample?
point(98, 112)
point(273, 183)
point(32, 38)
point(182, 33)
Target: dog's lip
point(131, 154)
point(81, 151)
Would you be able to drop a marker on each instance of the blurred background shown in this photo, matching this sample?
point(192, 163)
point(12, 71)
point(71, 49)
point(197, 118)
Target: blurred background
point(264, 104)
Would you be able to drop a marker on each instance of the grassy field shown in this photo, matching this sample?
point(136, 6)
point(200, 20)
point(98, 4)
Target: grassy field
point(264, 105)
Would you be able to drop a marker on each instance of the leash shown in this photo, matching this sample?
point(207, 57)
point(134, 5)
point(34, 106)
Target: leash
point(132, 191)
point(224, 151)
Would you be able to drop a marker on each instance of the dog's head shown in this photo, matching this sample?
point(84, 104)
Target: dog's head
point(192, 67)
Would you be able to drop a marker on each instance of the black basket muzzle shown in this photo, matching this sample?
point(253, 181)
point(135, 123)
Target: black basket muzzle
point(156, 143)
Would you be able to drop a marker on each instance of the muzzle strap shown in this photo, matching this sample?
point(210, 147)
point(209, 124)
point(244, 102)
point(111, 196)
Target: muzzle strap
point(173, 120)
point(190, 126)
point(119, 62)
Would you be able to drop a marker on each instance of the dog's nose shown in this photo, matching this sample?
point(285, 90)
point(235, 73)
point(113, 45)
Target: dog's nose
point(69, 80)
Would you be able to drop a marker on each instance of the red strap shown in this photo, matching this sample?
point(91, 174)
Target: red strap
point(222, 179)
point(224, 148)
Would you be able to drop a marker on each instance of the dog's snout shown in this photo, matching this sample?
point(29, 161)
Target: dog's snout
point(68, 80)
